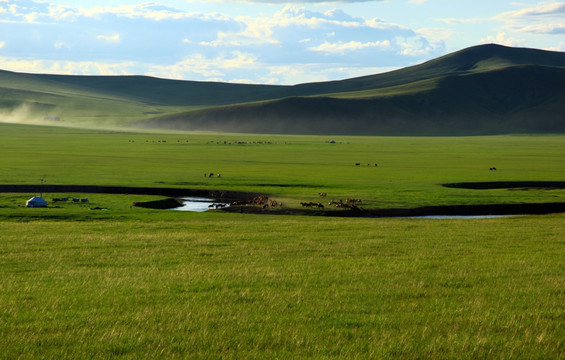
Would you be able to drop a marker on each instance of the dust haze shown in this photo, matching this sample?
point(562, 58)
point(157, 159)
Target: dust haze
point(24, 114)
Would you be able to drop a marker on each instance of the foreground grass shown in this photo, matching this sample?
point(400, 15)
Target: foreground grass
point(231, 286)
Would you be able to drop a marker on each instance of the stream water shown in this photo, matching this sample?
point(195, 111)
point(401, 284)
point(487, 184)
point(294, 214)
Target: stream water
point(197, 204)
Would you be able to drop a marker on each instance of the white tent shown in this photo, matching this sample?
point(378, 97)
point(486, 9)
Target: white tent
point(36, 201)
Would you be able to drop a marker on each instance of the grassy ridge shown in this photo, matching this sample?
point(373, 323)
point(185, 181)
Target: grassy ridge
point(487, 89)
point(525, 99)
point(225, 286)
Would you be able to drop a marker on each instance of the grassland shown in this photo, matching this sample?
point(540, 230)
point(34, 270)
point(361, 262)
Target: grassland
point(219, 286)
point(139, 283)
point(410, 171)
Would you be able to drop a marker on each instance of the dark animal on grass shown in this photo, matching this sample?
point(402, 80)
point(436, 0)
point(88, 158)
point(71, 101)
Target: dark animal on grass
point(322, 194)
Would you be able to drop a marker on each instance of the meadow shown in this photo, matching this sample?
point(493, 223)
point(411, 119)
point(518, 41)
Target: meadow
point(140, 283)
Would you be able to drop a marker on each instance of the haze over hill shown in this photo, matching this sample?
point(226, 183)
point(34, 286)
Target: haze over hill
point(486, 89)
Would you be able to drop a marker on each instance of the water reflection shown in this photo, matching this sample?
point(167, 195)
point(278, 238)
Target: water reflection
point(197, 204)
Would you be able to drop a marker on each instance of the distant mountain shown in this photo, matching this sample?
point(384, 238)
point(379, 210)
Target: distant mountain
point(486, 89)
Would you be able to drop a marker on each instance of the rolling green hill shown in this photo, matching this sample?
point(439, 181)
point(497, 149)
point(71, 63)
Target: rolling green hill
point(486, 89)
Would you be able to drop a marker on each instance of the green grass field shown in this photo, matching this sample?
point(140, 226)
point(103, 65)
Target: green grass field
point(139, 283)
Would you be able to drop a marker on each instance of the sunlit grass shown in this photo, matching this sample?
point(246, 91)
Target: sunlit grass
point(299, 287)
point(138, 283)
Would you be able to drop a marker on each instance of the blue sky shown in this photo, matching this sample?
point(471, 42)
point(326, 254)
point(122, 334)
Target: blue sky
point(261, 41)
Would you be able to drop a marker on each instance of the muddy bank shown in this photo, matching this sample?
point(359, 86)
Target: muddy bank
point(445, 210)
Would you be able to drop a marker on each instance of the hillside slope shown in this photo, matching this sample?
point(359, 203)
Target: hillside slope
point(515, 99)
point(486, 89)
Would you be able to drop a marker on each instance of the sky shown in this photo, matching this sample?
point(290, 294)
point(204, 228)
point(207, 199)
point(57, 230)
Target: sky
point(261, 41)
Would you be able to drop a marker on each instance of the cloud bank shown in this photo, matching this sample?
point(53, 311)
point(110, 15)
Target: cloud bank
point(155, 39)
point(287, 44)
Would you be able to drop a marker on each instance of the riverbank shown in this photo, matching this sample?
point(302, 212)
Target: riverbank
point(227, 196)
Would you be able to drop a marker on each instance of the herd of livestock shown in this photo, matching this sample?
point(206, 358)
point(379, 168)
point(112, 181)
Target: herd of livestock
point(264, 202)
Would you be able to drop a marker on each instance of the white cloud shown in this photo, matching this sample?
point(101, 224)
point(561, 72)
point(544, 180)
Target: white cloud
point(164, 41)
point(454, 21)
point(68, 67)
point(61, 45)
point(551, 28)
point(345, 47)
point(114, 38)
point(546, 8)
point(2, 44)
point(208, 68)
point(503, 39)
point(544, 18)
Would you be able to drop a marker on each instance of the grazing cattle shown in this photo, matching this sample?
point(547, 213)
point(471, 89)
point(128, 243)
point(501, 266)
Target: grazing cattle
point(492, 169)
point(219, 175)
point(322, 194)
point(211, 174)
point(376, 164)
point(357, 164)
point(351, 201)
